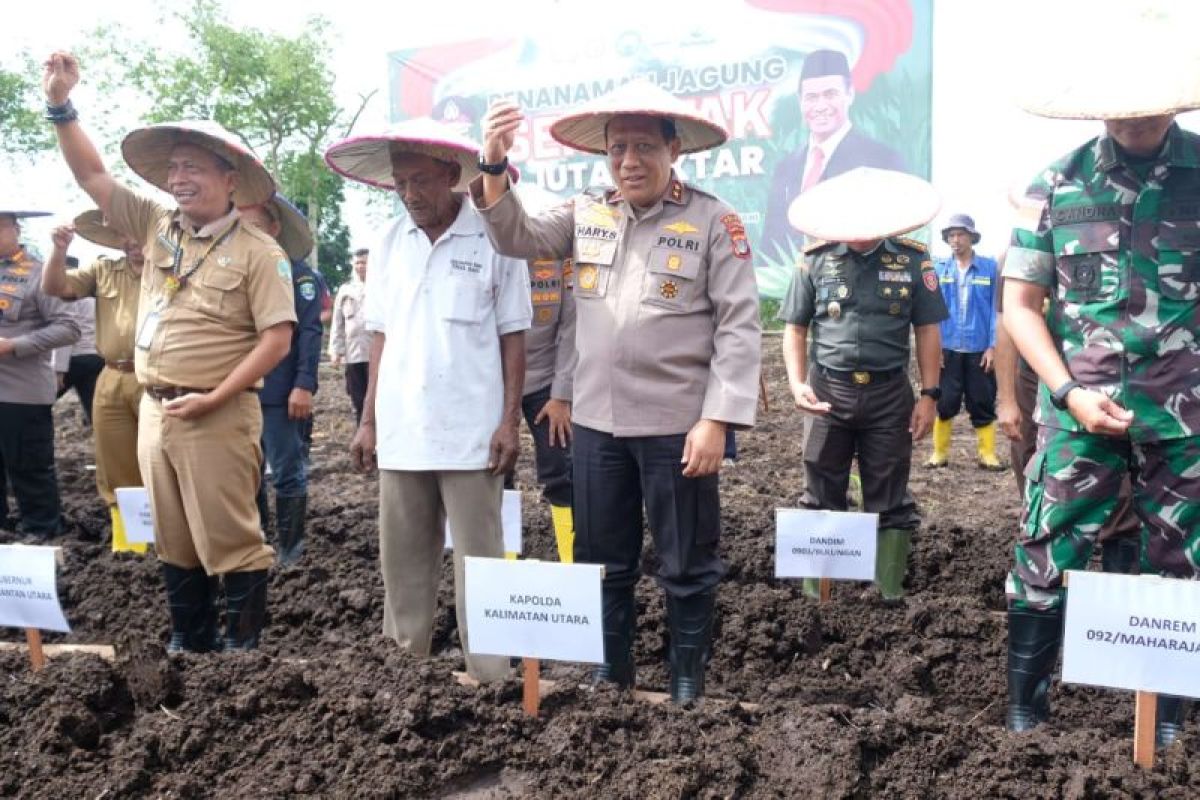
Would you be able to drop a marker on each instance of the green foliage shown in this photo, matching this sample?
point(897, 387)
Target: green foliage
point(25, 132)
point(273, 91)
point(768, 314)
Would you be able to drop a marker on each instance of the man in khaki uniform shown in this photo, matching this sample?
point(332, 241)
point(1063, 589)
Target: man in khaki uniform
point(669, 351)
point(116, 285)
point(215, 315)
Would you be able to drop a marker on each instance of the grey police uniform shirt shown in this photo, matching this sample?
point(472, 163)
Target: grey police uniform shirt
point(666, 305)
point(859, 307)
point(36, 324)
point(550, 356)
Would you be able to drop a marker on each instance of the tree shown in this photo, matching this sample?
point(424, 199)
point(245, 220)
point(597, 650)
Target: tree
point(25, 132)
point(275, 92)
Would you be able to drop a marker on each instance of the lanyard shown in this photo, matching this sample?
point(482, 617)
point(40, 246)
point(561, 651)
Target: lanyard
point(177, 280)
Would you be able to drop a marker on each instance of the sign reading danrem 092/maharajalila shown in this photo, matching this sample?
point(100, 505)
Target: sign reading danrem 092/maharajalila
point(808, 89)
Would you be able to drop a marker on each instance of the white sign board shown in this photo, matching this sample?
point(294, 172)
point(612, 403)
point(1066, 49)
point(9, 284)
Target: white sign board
point(1133, 632)
point(510, 519)
point(134, 504)
point(28, 593)
point(535, 609)
point(825, 544)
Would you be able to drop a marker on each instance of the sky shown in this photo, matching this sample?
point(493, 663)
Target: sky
point(984, 145)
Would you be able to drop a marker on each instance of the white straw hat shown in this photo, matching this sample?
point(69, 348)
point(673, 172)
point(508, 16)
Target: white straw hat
point(585, 129)
point(864, 204)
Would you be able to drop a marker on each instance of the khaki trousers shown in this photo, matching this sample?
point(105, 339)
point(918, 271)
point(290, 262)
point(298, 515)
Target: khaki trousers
point(413, 507)
point(115, 425)
point(202, 476)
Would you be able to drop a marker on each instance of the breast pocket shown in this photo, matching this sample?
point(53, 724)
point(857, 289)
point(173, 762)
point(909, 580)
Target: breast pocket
point(462, 301)
point(10, 306)
point(671, 279)
point(593, 266)
point(218, 291)
point(1179, 260)
point(1086, 266)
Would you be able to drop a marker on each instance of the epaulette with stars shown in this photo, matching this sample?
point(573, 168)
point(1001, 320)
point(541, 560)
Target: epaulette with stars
point(815, 245)
point(913, 243)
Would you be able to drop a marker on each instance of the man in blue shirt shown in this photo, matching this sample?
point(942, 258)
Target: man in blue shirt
point(287, 393)
point(968, 284)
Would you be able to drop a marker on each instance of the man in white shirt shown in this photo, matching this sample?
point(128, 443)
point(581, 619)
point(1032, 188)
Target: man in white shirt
point(446, 375)
point(349, 339)
point(833, 146)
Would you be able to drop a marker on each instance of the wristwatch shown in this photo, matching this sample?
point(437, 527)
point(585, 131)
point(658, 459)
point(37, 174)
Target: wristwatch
point(1058, 398)
point(935, 392)
point(492, 169)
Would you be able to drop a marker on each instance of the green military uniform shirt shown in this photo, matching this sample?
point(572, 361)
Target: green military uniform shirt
point(1116, 241)
point(859, 307)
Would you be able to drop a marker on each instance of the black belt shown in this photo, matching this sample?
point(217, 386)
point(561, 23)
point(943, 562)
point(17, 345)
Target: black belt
point(162, 393)
point(120, 365)
point(861, 377)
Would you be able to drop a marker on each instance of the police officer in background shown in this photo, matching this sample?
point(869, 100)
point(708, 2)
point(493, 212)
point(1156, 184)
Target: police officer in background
point(115, 283)
point(287, 393)
point(668, 339)
point(215, 316)
point(856, 297)
point(32, 325)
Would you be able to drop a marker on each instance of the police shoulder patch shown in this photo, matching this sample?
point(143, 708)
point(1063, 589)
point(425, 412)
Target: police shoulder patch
point(284, 268)
point(737, 234)
point(307, 289)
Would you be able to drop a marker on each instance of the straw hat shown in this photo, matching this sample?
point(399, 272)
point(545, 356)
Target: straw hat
point(368, 159)
point(294, 234)
point(584, 129)
point(864, 204)
point(147, 150)
point(1133, 59)
point(90, 225)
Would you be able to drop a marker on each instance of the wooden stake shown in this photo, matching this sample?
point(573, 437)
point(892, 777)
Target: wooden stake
point(533, 694)
point(1144, 715)
point(825, 587)
point(36, 657)
point(762, 392)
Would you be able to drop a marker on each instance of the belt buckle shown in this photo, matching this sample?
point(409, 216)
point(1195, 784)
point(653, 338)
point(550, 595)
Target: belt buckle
point(861, 378)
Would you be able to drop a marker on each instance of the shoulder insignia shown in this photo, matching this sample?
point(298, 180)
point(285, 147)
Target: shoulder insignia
point(737, 233)
point(913, 243)
point(308, 289)
point(815, 245)
point(676, 191)
point(284, 268)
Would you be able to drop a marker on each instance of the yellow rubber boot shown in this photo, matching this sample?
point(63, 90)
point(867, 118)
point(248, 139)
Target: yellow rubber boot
point(986, 440)
point(119, 543)
point(941, 443)
point(564, 532)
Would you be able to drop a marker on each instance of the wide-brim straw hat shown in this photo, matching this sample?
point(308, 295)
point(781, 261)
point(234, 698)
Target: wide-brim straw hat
point(148, 149)
point(1133, 59)
point(584, 129)
point(20, 213)
point(90, 225)
point(368, 158)
point(864, 204)
point(294, 235)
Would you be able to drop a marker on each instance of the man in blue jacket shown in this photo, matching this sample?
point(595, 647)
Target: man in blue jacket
point(968, 283)
point(287, 393)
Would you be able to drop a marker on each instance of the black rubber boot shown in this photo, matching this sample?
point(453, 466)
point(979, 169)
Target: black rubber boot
point(245, 608)
point(264, 507)
point(289, 525)
point(620, 621)
point(691, 623)
point(1121, 556)
point(1169, 720)
point(191, 600)
point(1034, 638)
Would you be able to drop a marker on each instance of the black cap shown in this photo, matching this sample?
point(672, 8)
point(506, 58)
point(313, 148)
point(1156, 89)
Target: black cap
point(820, 63)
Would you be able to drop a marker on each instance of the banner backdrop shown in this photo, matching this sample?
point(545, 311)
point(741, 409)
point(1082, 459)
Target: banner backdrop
point(738, 61)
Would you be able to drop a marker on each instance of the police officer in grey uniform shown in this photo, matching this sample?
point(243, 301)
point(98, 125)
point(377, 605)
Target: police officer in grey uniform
point(854, 300)
point(668, 338)
point(32, 325)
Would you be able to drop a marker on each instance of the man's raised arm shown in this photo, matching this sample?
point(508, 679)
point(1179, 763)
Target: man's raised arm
point(60, 77)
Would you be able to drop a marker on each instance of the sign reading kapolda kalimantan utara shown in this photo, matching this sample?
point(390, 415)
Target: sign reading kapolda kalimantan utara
point(863, 99)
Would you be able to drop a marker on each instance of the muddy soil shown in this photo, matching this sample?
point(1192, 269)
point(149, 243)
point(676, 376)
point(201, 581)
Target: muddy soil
point(851, 699)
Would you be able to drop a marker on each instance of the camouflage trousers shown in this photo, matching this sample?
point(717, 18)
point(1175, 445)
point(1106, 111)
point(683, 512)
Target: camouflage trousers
point(1072, 486)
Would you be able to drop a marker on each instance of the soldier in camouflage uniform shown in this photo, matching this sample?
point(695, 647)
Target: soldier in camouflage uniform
point(1111, 232)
